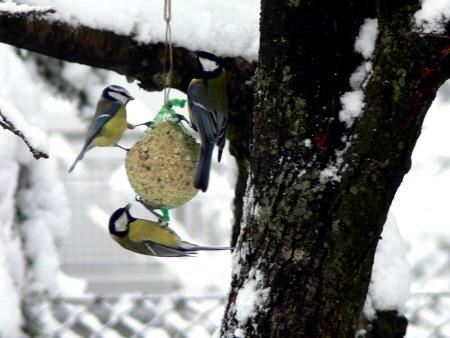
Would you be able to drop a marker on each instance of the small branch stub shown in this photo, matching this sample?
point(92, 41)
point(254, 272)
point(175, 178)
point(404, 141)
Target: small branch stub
point(6, 124)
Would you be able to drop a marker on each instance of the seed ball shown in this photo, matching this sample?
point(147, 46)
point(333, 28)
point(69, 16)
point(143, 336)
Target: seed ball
point(161, 166)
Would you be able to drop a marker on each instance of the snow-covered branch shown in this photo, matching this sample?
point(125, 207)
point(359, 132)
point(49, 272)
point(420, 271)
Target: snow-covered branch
point(34, 138)
point(13, 9)
point(110, 50)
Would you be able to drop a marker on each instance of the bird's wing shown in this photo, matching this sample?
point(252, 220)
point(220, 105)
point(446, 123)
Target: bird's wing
point(201, 114)
point(101, 119)
point(164, 251)
point(144, 230)
point(209, 116)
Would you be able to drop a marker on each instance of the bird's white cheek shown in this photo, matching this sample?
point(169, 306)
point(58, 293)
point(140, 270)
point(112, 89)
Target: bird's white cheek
point(122, 223)
point(208, 65)
point(119, 97)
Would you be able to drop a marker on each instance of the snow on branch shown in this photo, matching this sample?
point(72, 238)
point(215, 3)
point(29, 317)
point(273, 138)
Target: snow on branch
point(12, 120)
point(218, 28)
point(13, 9)
point(102, 48)
point(433, 16)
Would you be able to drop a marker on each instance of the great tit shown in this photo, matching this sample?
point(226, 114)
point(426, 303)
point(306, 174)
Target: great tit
point(148, 237)
point(208, 111)
point(110, 120)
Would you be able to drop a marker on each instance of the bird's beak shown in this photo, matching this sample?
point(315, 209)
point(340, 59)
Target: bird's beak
point(127, 207)
point(130, 98)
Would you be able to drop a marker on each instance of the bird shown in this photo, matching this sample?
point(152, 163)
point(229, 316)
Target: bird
point(208, 111)
point(110, 120)
point(150, 238)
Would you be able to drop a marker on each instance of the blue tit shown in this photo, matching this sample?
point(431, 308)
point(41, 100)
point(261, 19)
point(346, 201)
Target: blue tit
point(148, 237)
point(208, 111)
point(110, 120)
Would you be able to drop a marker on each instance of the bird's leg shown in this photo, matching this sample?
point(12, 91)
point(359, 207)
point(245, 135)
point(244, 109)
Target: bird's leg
point(132, 126)
point(181, 118)
point(119, 146)
point(161, 220)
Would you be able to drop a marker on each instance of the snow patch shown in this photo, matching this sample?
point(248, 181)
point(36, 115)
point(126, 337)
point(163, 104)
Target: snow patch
point(215, 26)
point(433, 16)
point(239, 333)
point(333, 172)
point(329, 174)
point(10, 315)
point(352, 106)
point(365, 42)
point(251, 297)
point(15, 8)
point(70, 286)
point(250, 207)
point(353, 101)
point(359, 77)
point(391, 274)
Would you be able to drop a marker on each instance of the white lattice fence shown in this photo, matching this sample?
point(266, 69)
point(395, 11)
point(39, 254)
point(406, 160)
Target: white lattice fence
point(135, 316)
point(142, 316)
point(429, 315)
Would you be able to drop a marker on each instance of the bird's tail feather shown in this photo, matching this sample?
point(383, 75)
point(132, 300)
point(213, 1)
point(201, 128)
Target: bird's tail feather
point(203, 167)
point(212, 248)
point(219, 154)
point(186, 246)
point(79, 158)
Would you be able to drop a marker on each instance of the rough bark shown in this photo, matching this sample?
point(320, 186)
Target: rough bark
point(308, 242)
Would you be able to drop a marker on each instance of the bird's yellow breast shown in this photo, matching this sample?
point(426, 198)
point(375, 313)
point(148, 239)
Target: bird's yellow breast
point(144, 230)
point(126, 243)
point(112, 131)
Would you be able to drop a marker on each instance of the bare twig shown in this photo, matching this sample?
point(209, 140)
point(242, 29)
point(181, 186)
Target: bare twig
point(6, 124)
point(432, 35)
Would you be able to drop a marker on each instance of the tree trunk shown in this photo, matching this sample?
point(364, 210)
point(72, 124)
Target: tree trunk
point(320, 188)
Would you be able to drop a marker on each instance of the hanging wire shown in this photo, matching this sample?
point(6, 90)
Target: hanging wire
point(168, 51)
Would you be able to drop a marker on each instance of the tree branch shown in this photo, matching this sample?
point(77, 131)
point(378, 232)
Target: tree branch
point(107, 50)
point(8, 125)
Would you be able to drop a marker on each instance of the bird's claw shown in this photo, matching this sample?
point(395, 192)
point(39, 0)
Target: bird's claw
point(132, 126)
point(119, 146)
point(163, 222)
point(181, 118)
